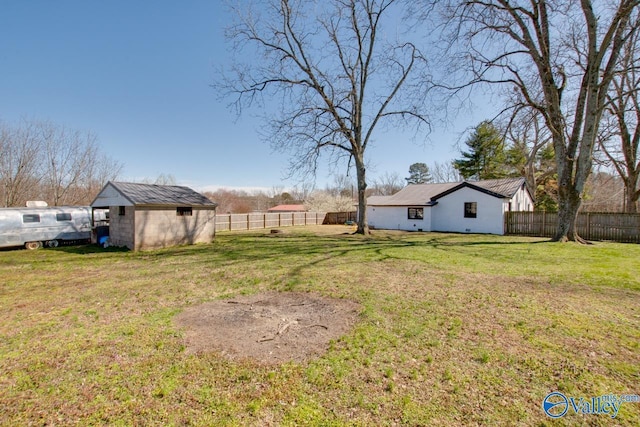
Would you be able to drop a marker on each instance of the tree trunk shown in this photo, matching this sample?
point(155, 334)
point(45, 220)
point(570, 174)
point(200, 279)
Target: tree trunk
point(569, 202)
point(631, 191)
point(631, 195)
point(363, 226)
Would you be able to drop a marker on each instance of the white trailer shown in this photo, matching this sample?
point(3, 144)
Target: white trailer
point(34, 227)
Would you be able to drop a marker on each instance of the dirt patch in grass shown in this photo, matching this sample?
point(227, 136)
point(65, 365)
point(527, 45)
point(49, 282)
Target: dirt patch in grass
point(270, 328)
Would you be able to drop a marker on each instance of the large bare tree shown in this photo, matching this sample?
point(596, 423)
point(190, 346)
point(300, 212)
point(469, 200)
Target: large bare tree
point(40, 160)
point(620, 140)
point(20, 163)
point(335, 74)
point(530, 152)
point(68, 155)
point(560, 56)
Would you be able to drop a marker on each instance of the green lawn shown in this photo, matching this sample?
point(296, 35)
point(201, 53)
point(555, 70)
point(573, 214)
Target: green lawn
point(454, 329)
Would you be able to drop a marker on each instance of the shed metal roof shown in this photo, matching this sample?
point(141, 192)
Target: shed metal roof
point(156, 195)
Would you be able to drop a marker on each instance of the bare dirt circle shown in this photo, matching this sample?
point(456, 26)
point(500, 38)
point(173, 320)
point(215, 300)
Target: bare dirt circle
point(270, 328)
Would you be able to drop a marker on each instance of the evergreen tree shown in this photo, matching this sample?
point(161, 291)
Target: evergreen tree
point(419, 174)
point(486, 158)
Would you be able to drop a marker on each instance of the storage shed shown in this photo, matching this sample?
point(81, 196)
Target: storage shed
point(147, 216)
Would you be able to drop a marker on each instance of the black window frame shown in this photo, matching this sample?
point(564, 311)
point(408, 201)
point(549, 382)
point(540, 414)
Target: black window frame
point(470, 209)
point(122, 211)
point(412, 213)
point(184, 211)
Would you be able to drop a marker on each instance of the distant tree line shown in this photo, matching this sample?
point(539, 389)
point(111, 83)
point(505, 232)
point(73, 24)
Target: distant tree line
point(40, 160)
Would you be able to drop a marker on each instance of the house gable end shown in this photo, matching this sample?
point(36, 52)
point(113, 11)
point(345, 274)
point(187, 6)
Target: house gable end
point(469, 185)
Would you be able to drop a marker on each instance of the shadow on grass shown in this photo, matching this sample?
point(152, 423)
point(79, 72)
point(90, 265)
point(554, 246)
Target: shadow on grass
point(89, 249)
point(299, 252)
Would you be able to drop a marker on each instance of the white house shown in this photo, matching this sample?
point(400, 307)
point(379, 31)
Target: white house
point(463, 207)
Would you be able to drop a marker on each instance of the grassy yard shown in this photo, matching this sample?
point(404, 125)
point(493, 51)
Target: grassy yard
point(454, 329)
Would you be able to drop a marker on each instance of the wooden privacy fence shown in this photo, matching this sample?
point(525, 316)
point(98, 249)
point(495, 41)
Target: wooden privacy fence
point(617, 227)
point(340, 217)
point(233, 222)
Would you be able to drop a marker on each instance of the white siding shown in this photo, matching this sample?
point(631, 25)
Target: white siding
point(448, 214)
point(521, 201)
point(396, 218)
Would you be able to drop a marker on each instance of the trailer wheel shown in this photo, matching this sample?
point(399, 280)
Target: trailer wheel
point(33, 245)
point(53, 243)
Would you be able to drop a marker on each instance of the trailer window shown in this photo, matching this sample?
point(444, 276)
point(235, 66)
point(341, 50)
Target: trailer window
point(63, 217)
point(30, 218)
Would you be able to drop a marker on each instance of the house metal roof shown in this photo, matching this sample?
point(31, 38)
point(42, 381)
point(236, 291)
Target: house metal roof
point(157, 195)
point(506, 187)
point(412, 194)
point(428, 194)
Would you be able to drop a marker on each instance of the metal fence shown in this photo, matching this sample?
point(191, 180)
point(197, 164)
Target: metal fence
point(251, 221)
point(617, 227)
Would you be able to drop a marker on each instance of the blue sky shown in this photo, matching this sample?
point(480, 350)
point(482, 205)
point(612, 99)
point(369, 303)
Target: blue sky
point(137, 74)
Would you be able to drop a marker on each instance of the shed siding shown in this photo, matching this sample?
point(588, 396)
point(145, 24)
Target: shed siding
point(162, 227)
point(121, 227)
point(448, 214)
point(396, 218)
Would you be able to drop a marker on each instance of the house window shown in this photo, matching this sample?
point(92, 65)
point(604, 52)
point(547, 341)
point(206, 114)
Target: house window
point(30, 218)
point(121, 210)
point(470, 209)
point(63, 217)
point(415, 213)
point(184, 211)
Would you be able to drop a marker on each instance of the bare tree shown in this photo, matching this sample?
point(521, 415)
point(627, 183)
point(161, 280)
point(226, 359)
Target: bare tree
point(444, 172)
point(530, 153)
point(44, 161)
point(387, 184)
point(336, 73)
point(324, 201)
point(100, 170)
point(560, 57)
point(620, 141)
point(68, 155)
point(20, 159)
point(302, 191)
point(604, 192)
